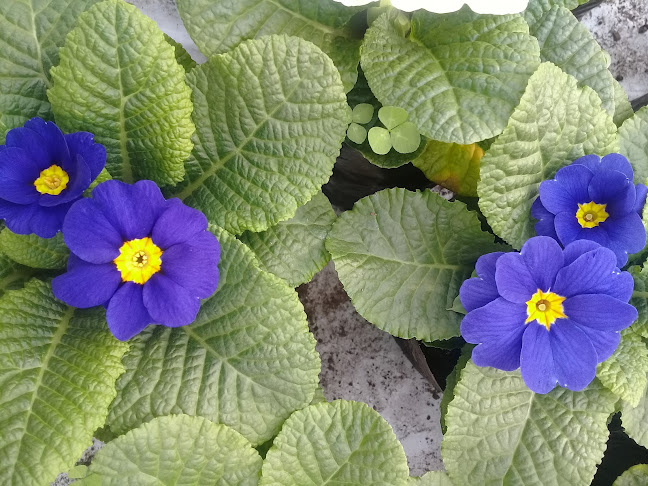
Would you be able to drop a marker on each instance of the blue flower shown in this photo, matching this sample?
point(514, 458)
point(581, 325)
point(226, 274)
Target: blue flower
point(594, 199)
point(146, 259)
point(42, 173)
point(553, 313)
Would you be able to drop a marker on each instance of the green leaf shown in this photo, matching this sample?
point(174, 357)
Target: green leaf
point(625, 373)
point(639, 300)
point(635, 476)
point(405, 138)
point(362, 113)
point(567, 43)
point(392, 116)
point(271, 116)
point(380, 140)
point(469, 71)
point(58, 368)
point(432, 478)
point(555, 123)
point(3, 131)
point(451, 383)
point(357, 133)
point(78, 472)
point(178, 449)
point(294, 250)
point(402, 257)
point(12, 275)
point(248, 361)
point(118, 78)
point(338, 443)
point(31, 34)
point(182, 56)
point(35, 252)
point(633, 139)
point(622, 107)
point(217, 26)
point(451, 165)
point(634, 419)
point(500, 432)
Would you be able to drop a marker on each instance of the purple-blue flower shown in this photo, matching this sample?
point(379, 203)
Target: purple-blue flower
point(594, 199)
point(553, 313)
point(146, 259)
point(42, 173)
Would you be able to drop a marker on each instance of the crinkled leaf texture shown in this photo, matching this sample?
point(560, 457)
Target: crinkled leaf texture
point(119, 79)
point(248, 361)
point(271, 116)
point(31, 33)
point(402, 257)
point(35, 252)
point(634, 419)
point(500, 432)
point(12, 274)
point(555, 123)
point(58, 368)
point(217, 26)
point(633, 139)
point(341, 443)
point(293, 250)
point(177, 449)
point(181, 54)
point(640, 300)
point(459, 76)
point(635, 476)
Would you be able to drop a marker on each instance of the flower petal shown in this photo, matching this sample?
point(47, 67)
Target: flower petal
point(94, 154)
point(614, 189)
point(545, 225)
point(177, 224)
point(79, 182)
point(126, 314)
point(604, 342)
point(599, 311)
point(569, 230)
point(640, 202)
point(477, 292)
point(514, 281)
point(169, 303)
point(574, 356)
point(18, 173)
point(487, 264)
point(566, 190)
point(618, 162)
point(588, 272)
point(32, 218)
point(536, 359)
point(578, 248)
point(495, 321)
point(31, 144)
point(503, 354)
point(627, 235)
point(86, 284)
point(543, 257)
point(52, 139)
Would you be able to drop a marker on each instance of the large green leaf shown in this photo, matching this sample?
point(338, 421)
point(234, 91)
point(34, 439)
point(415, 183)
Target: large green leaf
point(58, 368)
point(35, 252)
point(270, 116)
point(555, 123)
point(640, 300)
point(181, 54)
point(622, 106)
point(31, 33)
point(12, 275)
point(402, 257)
point(459, 76)
point(119, 79)
point(294, 249)
point(179, 449)
point(217, 26)
point(248, 361)
point(634, 419)
point(635, 476)
point(633, 139)
point(341, 443)
point(500, 432)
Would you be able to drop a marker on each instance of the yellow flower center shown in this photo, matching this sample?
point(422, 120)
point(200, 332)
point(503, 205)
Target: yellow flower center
point(545, 308)
point(590, 215)
point(52, 181)
point(138, 260)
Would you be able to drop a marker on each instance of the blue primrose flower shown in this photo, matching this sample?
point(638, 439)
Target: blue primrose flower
point(594, 199)
point(42, 173)
point(146, 259)
point(553, 313)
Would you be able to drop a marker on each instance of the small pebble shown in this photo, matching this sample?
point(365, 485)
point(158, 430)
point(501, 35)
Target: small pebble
point(643, 28)
point(616, 36)
point(619, 77)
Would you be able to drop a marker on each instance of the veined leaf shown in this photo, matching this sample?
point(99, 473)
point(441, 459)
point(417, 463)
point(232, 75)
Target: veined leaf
point(293, 250)
point(119, 79)
point(633, 139)
point(500, 432)
point(58, 368)
point(178, 449)
point(555, 123)
point(12, 275)
point(634, 419)
point(640, 300)
point(635, 476)
point(3, 131)
point(217, 26)
point(248, 361)
point(181, 54)
point(338, 443)
point(271, 116)
point(459, 75)
point(402, 257)
point(31, 33)
point(35, 252)
point(622, 107)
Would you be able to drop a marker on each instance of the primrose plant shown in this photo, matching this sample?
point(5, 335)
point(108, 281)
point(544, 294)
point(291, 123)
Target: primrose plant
point(158, 214)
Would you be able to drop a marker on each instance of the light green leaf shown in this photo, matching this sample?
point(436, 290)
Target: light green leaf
point(432, 478)
point(178, 449)
point(12, 275)
point(392, 116)
point(639, 300)
point(555, 123)
point(78, 472)
point(625, 373)
point(500, 432)
point(635, 476)
point(58, 368)
point(633, 139)
point(335, 444)
point(31, 33)
point(35, 252)
point(357, 133)
point(3, 131)
point(380, 140)
point(181, 54)
point(622, 107)
point(405, 138)
point(118, 78)
point(451, 383)
point(362, 113)
point(248, 361)
point(470, 71)
point(402, 257)
point(294, 250)
point(634, 420)
point(271, 116)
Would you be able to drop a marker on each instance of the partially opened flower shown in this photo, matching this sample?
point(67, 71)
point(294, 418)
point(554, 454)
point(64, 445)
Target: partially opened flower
point(497, 7)
point(148, 260)
point(553, 313)
point(42, 172)
point(594, 199)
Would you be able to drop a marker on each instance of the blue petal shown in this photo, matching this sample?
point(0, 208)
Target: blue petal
point(126, 314)
point(503, 355)
point(569, 230)
point(79, 182)
point(487, 264)
point(86, 284)
point(493, 322)
point(32, 218)
point(94, 154)
point(590, 271)
point(18, 173)
point(627, 235)
point(169, 303)
point(536, 359)
point(618, 162)
point(32, 144)
point(574, 356)
point(177, 224)
point(567, 189)
point(545, 225)
point(641, 198)
point(53, 141)
point(543, 257)
point(591, 161)
point(604, 342)
point(599, 311)
point(578, 248)
point(614, 189)
point(514, 281)
point(477, 292)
